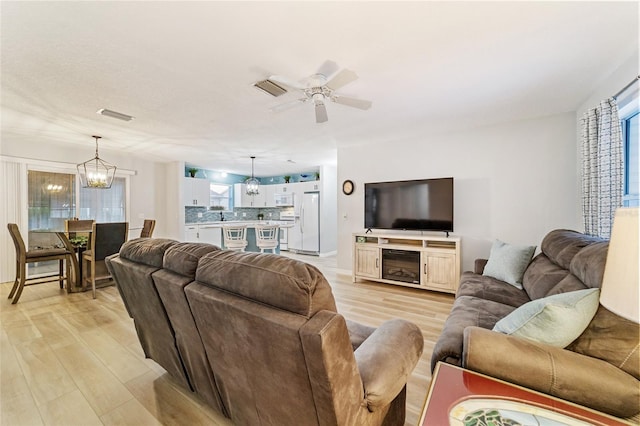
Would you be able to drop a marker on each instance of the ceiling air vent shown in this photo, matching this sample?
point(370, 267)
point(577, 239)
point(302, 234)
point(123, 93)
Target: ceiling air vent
point(114, 114)
point(270, 87)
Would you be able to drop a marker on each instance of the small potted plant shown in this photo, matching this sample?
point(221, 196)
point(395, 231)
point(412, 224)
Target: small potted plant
point(192, 172)
point(317, 175)
point(287, 179)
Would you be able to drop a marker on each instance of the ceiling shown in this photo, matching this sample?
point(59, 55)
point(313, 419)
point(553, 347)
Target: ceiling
point(185, 71)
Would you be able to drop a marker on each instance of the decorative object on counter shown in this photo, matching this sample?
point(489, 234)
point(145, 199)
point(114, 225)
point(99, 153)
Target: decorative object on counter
point(216, 208)
point(317, 174)
point(287, 179)
point(252, 183)
point(96, 173)
point(260, 216)
point(192, 172)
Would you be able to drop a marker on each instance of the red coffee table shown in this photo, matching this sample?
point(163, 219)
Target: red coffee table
point(456, 394)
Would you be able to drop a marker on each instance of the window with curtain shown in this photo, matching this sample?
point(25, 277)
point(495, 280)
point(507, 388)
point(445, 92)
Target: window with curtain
point(52, 199)
point(631, 137)
point(104, 205)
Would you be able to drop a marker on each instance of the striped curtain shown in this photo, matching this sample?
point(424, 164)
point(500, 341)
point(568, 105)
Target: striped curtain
point(602, 168)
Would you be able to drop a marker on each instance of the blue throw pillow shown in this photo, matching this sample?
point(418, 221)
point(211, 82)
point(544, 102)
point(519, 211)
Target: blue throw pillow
point(554, 320)
point(508, 262)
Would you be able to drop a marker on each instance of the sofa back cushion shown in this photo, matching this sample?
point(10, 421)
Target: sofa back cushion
point(562, 245)
point(183, 258)
point(256, 355)
point(568, 262)
point(271, 279)
point(611, 338)
point(146, 251)
point(587, 270)
point(132, 272)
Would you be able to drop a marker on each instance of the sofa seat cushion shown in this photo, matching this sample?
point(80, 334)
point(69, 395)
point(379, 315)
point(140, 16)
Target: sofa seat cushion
point(271, 279)
point(466, 311)
point(489, 288)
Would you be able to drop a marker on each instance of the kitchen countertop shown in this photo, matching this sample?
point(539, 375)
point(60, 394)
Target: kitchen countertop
point(249, 223)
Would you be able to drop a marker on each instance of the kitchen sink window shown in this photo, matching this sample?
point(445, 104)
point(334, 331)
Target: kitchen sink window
point(220, 196)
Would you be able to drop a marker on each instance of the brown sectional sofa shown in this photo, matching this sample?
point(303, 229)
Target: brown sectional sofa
point(600, 369)
point(257, 336)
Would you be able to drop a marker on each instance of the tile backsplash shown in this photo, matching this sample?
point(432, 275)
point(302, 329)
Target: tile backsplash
point(191, 214)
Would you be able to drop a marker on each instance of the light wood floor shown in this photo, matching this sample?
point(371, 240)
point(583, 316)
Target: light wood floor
point(67, 359)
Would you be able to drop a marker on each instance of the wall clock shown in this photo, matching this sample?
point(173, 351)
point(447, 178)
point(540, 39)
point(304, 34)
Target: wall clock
point(347, 187)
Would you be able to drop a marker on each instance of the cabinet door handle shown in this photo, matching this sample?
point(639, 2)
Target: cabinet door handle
point(377, 262)
point(425, 269)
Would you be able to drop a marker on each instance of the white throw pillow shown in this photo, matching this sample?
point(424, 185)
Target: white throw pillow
point(555, 320)
point(508, 262)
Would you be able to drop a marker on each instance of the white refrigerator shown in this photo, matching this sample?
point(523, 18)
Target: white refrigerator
point(304, 237)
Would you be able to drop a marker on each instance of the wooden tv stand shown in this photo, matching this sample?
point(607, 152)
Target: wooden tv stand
point(418, 261)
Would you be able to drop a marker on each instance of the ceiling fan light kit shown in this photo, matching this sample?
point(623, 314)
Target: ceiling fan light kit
point(318, 88)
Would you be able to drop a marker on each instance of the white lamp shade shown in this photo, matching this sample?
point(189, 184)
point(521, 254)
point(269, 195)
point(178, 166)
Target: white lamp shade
point(620, 283)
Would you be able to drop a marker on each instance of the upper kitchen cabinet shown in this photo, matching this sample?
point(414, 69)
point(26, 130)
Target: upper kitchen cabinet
point(242, 199)
point(196, 192)
point(309, 186)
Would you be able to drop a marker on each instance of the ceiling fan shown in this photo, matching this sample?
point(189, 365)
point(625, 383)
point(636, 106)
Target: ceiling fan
point(319, 88)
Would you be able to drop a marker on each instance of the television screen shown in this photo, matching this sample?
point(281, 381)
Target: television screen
point(425, 204)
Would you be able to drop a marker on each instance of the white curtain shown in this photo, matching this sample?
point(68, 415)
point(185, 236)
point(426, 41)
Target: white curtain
point(12, 210)
point(602, 168)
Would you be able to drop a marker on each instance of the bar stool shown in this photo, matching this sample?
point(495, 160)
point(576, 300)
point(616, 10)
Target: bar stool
point(267, 237)
point(235, 237)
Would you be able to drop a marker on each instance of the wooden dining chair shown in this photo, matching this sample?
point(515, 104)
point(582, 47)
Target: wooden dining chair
point(147, 228)
point(24, 257)
point(106, 239)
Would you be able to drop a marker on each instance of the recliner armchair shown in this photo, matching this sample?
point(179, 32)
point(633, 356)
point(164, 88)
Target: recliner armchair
point(277, 351)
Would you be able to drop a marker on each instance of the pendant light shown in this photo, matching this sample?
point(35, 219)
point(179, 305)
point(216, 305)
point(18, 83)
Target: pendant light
point(252, 183)
point(96, 173)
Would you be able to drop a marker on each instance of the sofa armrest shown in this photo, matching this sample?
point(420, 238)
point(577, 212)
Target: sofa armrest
point(478, 266)
point(559, 372)
point(358, 333)
point(386, 359)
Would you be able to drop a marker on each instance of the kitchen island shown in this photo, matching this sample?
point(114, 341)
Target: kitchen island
point(211, 232)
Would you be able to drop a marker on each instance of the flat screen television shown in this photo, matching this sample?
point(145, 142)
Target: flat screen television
point(425, 205)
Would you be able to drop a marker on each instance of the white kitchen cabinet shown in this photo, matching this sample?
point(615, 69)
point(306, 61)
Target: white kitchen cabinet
point(191, 233)
point(196, 192)
point(242, 199)
point(211, 234)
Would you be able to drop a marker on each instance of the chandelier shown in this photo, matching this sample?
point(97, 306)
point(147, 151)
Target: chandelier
point(96, 173)
point(252, 183)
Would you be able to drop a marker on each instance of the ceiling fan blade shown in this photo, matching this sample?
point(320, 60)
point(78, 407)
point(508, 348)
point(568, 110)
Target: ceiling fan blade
point(328, 68)
point(288, 105)
point(287, 82)
point(321, 112)
point(344, 77)
point(352, 102)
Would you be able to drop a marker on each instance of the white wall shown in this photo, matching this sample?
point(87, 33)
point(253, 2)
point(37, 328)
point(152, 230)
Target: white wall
point(144, 194)
point(514, 181)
